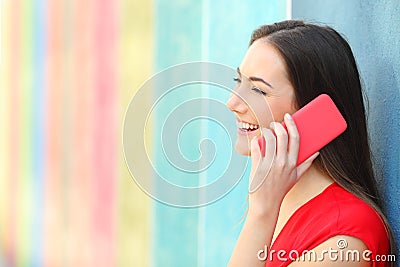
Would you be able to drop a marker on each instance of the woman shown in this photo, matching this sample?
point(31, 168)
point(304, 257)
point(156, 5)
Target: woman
point(330, 203)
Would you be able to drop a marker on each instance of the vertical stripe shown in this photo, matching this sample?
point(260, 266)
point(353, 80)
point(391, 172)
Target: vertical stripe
point(205, 35)
point(1, 28)
point(13, 135)
point(288, 9)
point(67, 180)
point(25, 167)
point(38, 114)
point(81, 197)
point(3, 119)
point(5, 108)
point(135, 57)
point(178, 30)
point(54, 244)
point(228, 41)
point(105, 131)
point(70, 246)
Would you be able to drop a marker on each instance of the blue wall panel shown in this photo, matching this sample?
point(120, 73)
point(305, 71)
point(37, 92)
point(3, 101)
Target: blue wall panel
point(232, 23)
point(216, 31)
point(372, 29)
point(177, 40)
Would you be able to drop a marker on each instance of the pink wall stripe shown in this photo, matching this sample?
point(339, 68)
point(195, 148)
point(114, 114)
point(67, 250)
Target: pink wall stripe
point(68, 152)
point(54, 223)
point(105, 126)
point(81, 197)
point(5, 133)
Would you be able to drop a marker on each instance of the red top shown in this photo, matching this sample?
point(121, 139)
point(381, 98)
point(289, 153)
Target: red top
point(333, 212)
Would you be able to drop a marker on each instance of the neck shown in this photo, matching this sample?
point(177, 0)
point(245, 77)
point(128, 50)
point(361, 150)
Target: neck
point(310, 184)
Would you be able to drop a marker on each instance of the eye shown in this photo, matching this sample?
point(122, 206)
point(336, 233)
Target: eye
point(236, 79)
point(258, 90)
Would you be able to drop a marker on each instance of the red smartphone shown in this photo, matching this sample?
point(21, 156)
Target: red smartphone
point(319, 122)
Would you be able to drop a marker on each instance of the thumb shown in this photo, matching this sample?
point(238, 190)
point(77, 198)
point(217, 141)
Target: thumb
point(302, 168)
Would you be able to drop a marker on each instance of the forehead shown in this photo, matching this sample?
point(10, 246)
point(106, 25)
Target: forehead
point(264, 60)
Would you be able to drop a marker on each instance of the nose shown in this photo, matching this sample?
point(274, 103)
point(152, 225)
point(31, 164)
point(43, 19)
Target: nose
point(236, 104)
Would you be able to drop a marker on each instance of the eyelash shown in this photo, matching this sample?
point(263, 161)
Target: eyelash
point(258, 90)
point(255, 89)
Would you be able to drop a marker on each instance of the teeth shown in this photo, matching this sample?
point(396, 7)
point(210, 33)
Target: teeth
point(247, 126)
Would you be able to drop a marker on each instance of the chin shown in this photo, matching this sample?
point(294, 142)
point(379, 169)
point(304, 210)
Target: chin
point(242, 148)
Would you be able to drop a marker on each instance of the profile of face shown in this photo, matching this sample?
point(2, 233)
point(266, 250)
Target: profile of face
point(263, 93)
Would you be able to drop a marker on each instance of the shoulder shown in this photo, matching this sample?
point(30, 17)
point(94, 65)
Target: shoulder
point(334, 212)
point(328, 219)
point(348, 221)
point(337, 219)
point(354, 217)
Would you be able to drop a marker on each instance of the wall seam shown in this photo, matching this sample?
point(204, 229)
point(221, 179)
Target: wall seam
point(288, 9)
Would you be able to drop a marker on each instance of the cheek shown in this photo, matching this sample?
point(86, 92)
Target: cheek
point(278, 112)
point(262, 112)
point(280, 108)
point(273, 112)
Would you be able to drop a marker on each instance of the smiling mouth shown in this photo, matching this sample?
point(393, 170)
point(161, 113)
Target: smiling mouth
point(247, 127)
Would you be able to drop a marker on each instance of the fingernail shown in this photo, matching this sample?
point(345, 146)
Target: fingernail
point(287, 116)
point(263, 131)
point(271, 125)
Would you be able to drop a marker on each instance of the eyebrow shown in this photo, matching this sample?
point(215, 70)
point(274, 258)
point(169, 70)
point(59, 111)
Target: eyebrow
point(256, 79)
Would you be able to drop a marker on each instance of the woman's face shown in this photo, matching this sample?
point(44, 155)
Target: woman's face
point(263, 93)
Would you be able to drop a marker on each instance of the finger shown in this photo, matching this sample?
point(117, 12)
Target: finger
point(302, 168)
point(281, 140)
point(294, 139)
point(255, 151)
point(270, 143)
point(260, 172)
point(255, 161)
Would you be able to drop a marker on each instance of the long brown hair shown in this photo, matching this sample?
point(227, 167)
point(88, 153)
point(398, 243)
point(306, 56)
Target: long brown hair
point(319, 60)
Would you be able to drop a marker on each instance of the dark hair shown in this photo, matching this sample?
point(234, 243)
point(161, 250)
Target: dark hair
point(319, 60)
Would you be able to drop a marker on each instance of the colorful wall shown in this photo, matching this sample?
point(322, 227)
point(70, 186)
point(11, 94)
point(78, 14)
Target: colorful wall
point(68, 71)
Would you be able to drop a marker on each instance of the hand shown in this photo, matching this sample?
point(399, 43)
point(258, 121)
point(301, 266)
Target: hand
point(272, 176)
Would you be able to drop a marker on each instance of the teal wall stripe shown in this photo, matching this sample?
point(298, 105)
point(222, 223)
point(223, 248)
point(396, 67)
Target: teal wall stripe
point(232, 23)
point(216, 31)
point(38, 129)
point(177, 40)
